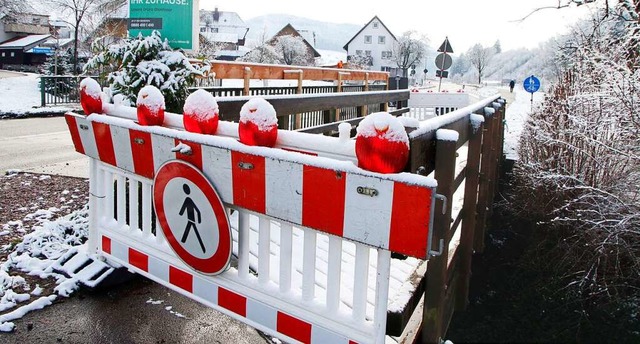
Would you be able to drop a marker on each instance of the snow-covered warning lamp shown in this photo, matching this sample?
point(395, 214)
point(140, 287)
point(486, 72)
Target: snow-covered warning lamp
point(90, 96)
point(258, 123)
point(201, 113)
point(382, 144)
point(150, 106)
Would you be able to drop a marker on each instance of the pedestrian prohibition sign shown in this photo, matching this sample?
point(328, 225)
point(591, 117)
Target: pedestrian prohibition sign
point(192, 217)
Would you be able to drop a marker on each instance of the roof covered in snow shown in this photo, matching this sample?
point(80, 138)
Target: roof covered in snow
point(221, 18)
point(24, 42)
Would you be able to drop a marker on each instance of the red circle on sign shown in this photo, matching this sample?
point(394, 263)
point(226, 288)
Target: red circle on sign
point(219, 261)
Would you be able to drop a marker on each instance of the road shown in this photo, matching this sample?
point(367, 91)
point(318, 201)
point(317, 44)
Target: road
point(41, 145)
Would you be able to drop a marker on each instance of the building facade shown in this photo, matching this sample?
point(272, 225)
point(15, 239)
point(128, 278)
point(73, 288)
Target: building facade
point(372, 47)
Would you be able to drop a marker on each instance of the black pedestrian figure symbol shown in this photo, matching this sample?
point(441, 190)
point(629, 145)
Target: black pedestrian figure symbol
point(190, 207)
point(512, 84)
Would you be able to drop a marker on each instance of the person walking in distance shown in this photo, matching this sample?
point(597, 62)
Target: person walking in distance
point(512, 84)
point(190, 207)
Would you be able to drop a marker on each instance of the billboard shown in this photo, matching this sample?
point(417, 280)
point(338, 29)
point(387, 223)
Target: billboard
point(177, 20)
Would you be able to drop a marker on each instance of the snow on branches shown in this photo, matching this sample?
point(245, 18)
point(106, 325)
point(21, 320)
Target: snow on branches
point(143, 61)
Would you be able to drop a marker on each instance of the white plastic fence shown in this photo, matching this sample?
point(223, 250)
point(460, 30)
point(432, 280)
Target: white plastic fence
point(427, 105)
point(286, 279)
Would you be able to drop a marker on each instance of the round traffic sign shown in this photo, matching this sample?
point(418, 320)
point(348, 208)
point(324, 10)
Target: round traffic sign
point(531, 84)
point(192, 217)
point(443, 61)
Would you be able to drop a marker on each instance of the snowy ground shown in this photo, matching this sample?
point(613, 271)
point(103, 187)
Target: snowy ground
point(51, 235)
point(20, 96)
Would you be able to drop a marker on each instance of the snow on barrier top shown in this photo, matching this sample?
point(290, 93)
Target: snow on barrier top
point(388, 211)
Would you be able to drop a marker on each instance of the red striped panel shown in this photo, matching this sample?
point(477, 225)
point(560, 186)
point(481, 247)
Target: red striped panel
point(195, 158)
point(232, 301)
point(352, 342)
point(139, 260)
point(106, 245)
point(294, 328)
point(248, 174)
point(410, 220)
point(323, 199)
point(181, 279)
point(104, 142)
point(142, 153)
point(75, 135)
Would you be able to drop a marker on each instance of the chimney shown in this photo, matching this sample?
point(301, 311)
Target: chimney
point(216, 15)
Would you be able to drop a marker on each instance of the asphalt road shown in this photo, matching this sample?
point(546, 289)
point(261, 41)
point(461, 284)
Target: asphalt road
point(41, 145)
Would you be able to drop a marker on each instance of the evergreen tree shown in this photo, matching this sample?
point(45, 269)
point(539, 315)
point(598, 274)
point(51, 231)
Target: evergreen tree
point(142, 61)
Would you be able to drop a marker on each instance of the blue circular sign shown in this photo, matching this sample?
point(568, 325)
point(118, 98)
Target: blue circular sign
point(531, 84)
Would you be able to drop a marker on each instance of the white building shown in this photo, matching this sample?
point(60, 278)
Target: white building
point(373, 45)
point(224, 28)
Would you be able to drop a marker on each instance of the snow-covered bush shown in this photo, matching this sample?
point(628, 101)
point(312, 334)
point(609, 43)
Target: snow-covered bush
point(141, 61)
point(580, 158)
point(286, 49)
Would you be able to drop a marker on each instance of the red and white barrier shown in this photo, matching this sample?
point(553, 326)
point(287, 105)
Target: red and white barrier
point(311, 235)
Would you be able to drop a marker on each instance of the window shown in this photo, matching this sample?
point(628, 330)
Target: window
point(13, 54)
point(381, 39)
point(214, 30)
point(359, 52)
point(367, 39)
point(386, 55)
point(203, 29)
point(3, 54)
point(367, 52)
point(375, 25)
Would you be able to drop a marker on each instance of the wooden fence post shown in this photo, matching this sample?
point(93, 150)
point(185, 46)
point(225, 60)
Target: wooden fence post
point(339, 89)
point(364, 109)
point(298, 116)
point(433, 312)
point(472, 176)
point(247, 81)
point(488, 138)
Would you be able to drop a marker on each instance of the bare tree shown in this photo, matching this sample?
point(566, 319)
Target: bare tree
point(479, 57)
point(292, 50)
point(77, 11)
point(261, 52)
point(409, 51)
point(13, 7)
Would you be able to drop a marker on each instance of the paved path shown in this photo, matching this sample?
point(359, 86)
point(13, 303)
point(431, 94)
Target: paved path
point(41, 145)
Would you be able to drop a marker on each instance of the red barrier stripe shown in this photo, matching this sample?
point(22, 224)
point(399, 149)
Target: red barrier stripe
point(323, 199)
point(293, 327)
point(181, 279)
point(106, 245)
point(75, 135)
point(195, 158)
point(142, 153)
point(232, 301)
point(410, 216)
point(104, 142)
point(300, 151)
point(139, 260)
point(248, 174)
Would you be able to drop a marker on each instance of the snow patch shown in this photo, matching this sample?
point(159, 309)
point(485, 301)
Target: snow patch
point(201, 104)
point(260, 112)
point(447, 135)
point(384, 125)
point(151, 97)
point(91, 88)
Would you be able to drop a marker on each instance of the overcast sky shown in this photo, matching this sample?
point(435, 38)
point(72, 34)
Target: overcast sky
point(465, 22)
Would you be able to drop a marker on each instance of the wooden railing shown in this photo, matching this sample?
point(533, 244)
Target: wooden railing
point(439, 148)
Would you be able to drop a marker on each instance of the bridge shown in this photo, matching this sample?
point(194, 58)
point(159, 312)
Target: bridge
point(310, 247)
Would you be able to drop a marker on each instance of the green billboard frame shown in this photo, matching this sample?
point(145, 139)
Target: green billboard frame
point(177, 20)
